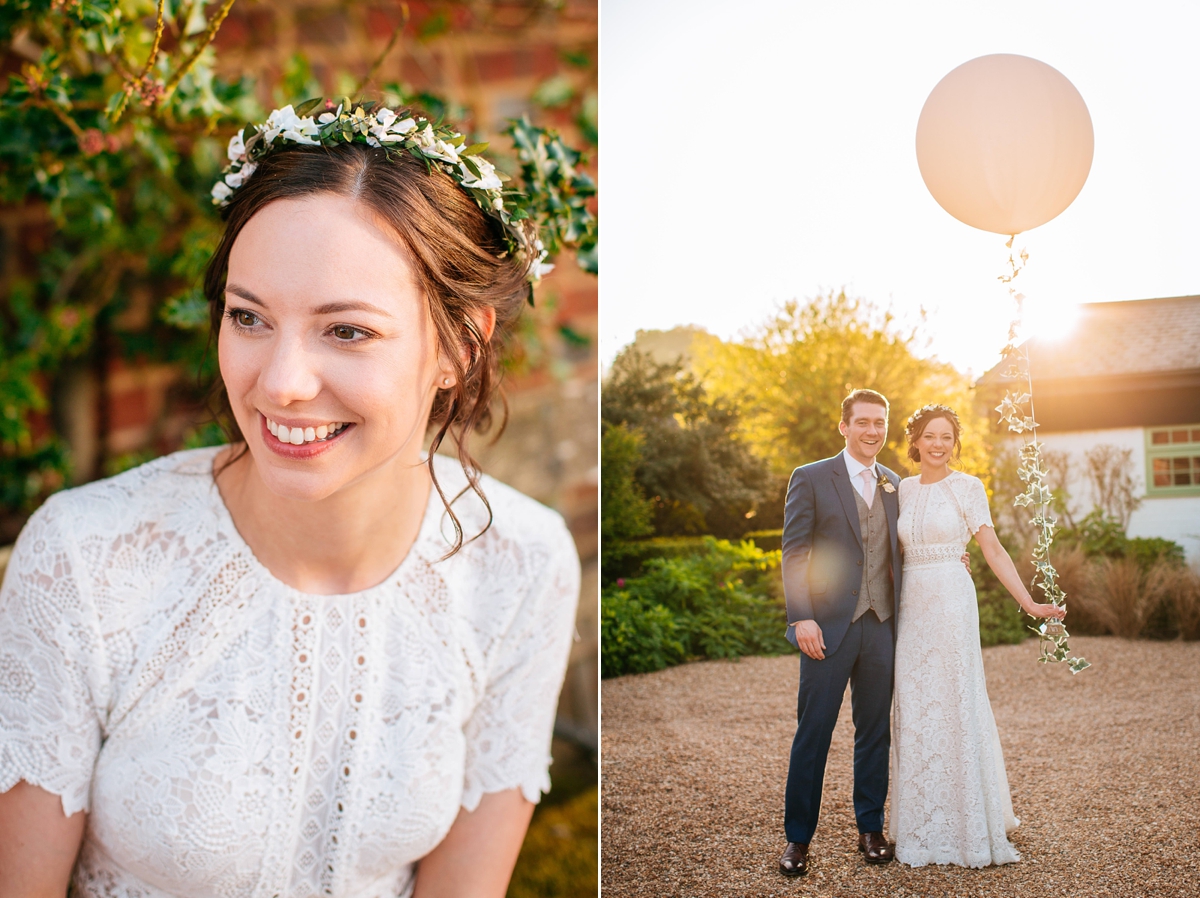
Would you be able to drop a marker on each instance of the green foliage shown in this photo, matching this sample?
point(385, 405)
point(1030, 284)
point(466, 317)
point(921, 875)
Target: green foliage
point(624, 511)
point(1001, 621)
point(636, 637)
point(559, 191)
point(789, 376)
point(721, 602)
point(107, 135)
point(768, 540)
point(559, 858)
point(1101, 536)
point(699, 475)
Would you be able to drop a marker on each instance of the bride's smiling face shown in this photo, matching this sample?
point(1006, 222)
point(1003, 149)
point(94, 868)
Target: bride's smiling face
point(327, 349)
point(936, 444)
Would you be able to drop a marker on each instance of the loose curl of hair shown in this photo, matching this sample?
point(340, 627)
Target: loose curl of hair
point(460, 259)
point(920, 418)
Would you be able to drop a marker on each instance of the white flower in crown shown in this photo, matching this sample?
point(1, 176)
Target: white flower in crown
point(285, 122)
point(540, 267)
point(487, 180)
point(434, 147)
point(238, 178)
point(326, 117)
point(390, 128)
point(221, 192)
point(237, 148)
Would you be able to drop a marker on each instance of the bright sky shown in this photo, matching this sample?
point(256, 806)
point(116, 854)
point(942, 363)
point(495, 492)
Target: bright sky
point(816, 186)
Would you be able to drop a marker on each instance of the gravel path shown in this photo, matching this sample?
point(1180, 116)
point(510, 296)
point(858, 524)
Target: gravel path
point(1107, 787)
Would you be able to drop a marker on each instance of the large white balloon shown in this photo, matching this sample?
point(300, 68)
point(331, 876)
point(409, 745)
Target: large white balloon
point(1004, 143)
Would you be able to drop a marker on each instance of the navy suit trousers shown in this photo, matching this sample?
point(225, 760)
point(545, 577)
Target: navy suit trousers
point(865, 659)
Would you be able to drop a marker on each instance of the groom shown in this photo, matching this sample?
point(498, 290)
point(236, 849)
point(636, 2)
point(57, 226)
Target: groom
point(841, 578)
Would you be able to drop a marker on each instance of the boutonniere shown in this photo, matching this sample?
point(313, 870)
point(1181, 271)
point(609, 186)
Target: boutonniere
point(885, 484)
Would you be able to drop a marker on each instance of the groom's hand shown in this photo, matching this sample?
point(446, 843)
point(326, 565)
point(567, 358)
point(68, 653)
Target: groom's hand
point(808, 635)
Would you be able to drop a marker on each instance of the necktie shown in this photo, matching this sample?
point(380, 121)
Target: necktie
point(868, 487)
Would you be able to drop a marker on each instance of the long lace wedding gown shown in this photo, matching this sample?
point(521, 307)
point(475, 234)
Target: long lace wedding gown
point(950, 802)
point(233, 737)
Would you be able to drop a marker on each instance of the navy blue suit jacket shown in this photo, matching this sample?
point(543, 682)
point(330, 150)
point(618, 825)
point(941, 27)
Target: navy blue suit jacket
point(823, 547)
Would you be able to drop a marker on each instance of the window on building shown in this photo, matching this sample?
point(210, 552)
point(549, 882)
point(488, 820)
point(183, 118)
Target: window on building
point(1173, 460)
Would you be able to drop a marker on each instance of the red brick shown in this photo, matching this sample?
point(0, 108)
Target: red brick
point(262, 27)
point(382, 21)
point(544, 61)
point(574, 303)
point(496, 65)
point(129, 409)
point(234, 32)
point(321, 25)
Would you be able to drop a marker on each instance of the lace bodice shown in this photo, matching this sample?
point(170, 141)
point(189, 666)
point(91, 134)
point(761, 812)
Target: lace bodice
point(937, 520)
point(231, 736)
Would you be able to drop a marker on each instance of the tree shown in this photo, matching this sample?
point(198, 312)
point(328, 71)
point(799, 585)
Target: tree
point(624, 510)
point(788, 377)
point(700, 476)
point(1114, 490)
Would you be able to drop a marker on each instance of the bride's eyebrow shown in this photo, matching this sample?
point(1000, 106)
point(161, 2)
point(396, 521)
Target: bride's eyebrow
point(245, 294)
point(328, 308)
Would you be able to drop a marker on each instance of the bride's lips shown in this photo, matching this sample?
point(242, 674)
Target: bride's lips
point(303, 451)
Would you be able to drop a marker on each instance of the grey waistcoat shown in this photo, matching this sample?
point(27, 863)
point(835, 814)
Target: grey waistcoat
point(876, 589)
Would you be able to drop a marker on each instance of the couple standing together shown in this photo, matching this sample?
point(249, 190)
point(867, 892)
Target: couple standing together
point(878, 595)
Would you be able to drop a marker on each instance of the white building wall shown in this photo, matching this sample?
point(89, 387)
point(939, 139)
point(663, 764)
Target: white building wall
point(1174, 517)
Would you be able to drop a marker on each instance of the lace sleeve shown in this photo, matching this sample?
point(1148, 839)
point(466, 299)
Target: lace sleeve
point(508, 734)
point(50, 648)
point(974, 501)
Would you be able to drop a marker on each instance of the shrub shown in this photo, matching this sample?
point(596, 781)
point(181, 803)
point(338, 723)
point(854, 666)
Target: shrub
point(1000, 619)
point(1184, 592)
point(627, 560)
point(636, 637)
point(1123, 595)
point(723, 601)
point(624, 510)
point(767, 540)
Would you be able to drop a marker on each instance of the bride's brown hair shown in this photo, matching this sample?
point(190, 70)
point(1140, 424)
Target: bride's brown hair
point(920, 418)
point(460, 258)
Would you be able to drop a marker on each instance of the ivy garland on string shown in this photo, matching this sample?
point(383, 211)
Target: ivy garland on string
point(1017, 412)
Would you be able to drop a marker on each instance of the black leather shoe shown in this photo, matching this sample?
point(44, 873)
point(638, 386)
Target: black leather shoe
point(795, 860)
point(875, 848)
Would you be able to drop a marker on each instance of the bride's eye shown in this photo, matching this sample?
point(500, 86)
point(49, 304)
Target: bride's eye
point(346, 333)
point(242, 319)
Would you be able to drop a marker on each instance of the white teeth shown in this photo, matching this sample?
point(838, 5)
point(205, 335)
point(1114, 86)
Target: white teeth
point(298, 436)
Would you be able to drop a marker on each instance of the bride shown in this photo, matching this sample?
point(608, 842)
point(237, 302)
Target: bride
point(316, 661)
point(950, 801)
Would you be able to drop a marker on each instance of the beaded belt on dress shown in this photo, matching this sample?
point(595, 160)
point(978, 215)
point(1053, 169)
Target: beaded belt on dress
point(929, 555)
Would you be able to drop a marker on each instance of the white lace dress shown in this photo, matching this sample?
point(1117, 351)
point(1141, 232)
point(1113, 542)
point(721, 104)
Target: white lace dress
point(231, 736)
point(950, 802)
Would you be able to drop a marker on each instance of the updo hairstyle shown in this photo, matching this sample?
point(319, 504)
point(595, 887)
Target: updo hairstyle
point(920, 418)
point(461, 262)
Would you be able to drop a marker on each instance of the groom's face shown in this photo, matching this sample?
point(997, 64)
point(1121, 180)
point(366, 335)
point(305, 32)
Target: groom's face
point(866, 431)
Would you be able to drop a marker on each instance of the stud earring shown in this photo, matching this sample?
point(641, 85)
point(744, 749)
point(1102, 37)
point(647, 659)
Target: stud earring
point(445, 381)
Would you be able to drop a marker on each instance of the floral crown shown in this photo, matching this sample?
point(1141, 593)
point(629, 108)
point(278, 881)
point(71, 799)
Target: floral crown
point(438, 146)
point(925, 412)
